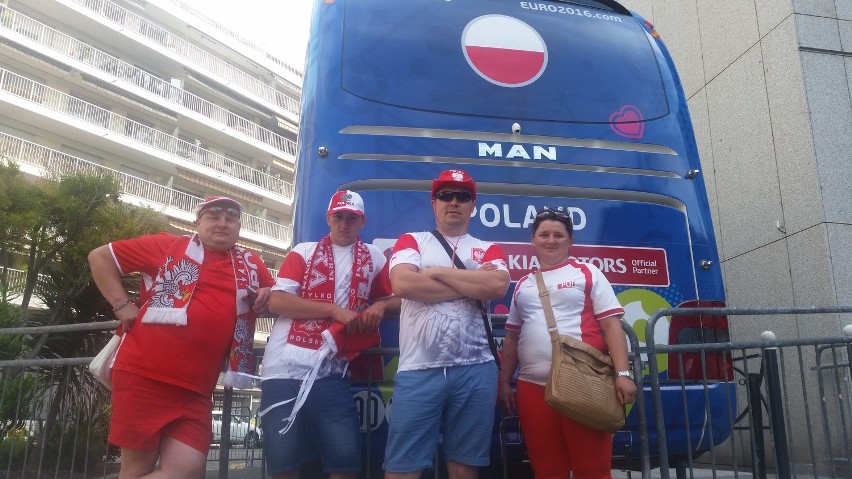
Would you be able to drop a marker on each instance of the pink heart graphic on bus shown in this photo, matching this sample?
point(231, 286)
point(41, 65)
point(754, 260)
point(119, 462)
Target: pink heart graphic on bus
point(628, 122)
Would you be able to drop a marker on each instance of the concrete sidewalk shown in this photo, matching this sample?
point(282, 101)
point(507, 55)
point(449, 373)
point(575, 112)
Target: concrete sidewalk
point(257, 473)
point(237, 473)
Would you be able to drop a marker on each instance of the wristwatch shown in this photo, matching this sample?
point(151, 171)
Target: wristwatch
point(627, 374)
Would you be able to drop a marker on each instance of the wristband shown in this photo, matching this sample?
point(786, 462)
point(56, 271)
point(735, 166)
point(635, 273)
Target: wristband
point(122, 305)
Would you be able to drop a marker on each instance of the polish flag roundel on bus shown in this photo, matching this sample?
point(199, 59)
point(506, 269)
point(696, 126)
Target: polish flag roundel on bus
point(504, 50)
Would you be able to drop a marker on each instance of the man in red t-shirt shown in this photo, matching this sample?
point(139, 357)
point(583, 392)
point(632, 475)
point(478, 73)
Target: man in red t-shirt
point(196, 308)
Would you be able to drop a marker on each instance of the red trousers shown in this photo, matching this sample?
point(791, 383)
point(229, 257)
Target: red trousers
point(557, 445)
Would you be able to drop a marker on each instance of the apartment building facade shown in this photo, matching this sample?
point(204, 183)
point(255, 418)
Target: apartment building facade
point(175, 105)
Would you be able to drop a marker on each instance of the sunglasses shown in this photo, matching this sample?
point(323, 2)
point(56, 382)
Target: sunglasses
point(549, 212)
point(460, 196)
point(230, 213)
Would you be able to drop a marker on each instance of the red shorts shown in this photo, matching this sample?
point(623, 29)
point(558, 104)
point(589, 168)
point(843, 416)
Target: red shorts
point(145, 410)
point(558, 446)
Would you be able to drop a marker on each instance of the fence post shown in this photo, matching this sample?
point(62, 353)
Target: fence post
point(225, 435)
point(755, 408)
point(776, 406)
point(635, 364)
point(653, 374)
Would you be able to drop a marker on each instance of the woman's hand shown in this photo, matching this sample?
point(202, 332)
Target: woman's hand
point(509, 357)
point(625, 389)
point(506, 396)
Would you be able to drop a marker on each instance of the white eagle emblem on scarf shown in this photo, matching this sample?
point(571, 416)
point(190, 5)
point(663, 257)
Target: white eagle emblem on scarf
point(169, 289)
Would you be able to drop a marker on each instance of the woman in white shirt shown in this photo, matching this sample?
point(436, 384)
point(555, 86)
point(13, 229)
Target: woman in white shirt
point(585, 307)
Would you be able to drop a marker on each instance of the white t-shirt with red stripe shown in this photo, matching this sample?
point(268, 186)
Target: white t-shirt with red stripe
point(450, 333)
point(580, 296)
point(283, 360)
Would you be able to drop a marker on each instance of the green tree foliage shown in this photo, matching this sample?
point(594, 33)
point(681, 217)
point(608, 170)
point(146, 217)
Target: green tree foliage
point(13, 448)
point(10, 316)
point(47, 229)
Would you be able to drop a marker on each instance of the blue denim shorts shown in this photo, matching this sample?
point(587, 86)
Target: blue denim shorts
point(326, 428)
point(456, 401)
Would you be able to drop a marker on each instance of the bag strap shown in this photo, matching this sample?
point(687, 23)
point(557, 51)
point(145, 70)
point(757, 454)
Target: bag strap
point(544, 296)
point(483, 309)
point(551, 324)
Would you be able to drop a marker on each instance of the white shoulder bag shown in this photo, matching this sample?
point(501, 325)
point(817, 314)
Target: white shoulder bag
point(101, 365)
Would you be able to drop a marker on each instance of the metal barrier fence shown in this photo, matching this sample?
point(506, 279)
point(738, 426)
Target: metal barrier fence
point(54, 415)
point(782, 408)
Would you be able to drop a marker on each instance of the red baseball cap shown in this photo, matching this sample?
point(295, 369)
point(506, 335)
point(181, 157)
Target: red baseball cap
point(217, 200)
point(346, 200)
point(454, 179)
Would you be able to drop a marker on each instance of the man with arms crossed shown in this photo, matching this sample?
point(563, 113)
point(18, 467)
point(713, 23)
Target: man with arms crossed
point(447, 372)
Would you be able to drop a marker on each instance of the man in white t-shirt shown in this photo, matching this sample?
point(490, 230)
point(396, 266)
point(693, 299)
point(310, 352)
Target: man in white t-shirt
point(337, 284)
point(446, 383)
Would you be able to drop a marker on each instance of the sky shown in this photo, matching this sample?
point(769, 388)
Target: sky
point(278, 26)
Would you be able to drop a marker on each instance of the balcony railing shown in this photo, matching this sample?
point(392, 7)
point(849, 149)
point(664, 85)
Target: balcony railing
point(15, 278)
point(56, 162)
point(190, 52)
point(85, 53)
point(15, 283)
point(222, 28)
point(94, 115)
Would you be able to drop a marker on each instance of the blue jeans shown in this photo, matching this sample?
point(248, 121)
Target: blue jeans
point(326, 427)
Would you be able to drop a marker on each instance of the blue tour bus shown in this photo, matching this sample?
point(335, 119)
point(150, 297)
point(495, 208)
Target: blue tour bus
point(573, 104)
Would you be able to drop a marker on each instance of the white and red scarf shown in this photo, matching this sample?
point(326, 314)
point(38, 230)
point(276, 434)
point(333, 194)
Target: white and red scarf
point(319, 283)
point(322, 339)
point(171, 293)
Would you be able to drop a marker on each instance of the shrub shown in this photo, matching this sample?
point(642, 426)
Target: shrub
point(15, 447)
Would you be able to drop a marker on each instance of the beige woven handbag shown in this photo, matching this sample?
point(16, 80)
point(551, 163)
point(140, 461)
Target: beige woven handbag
point(581, 383)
